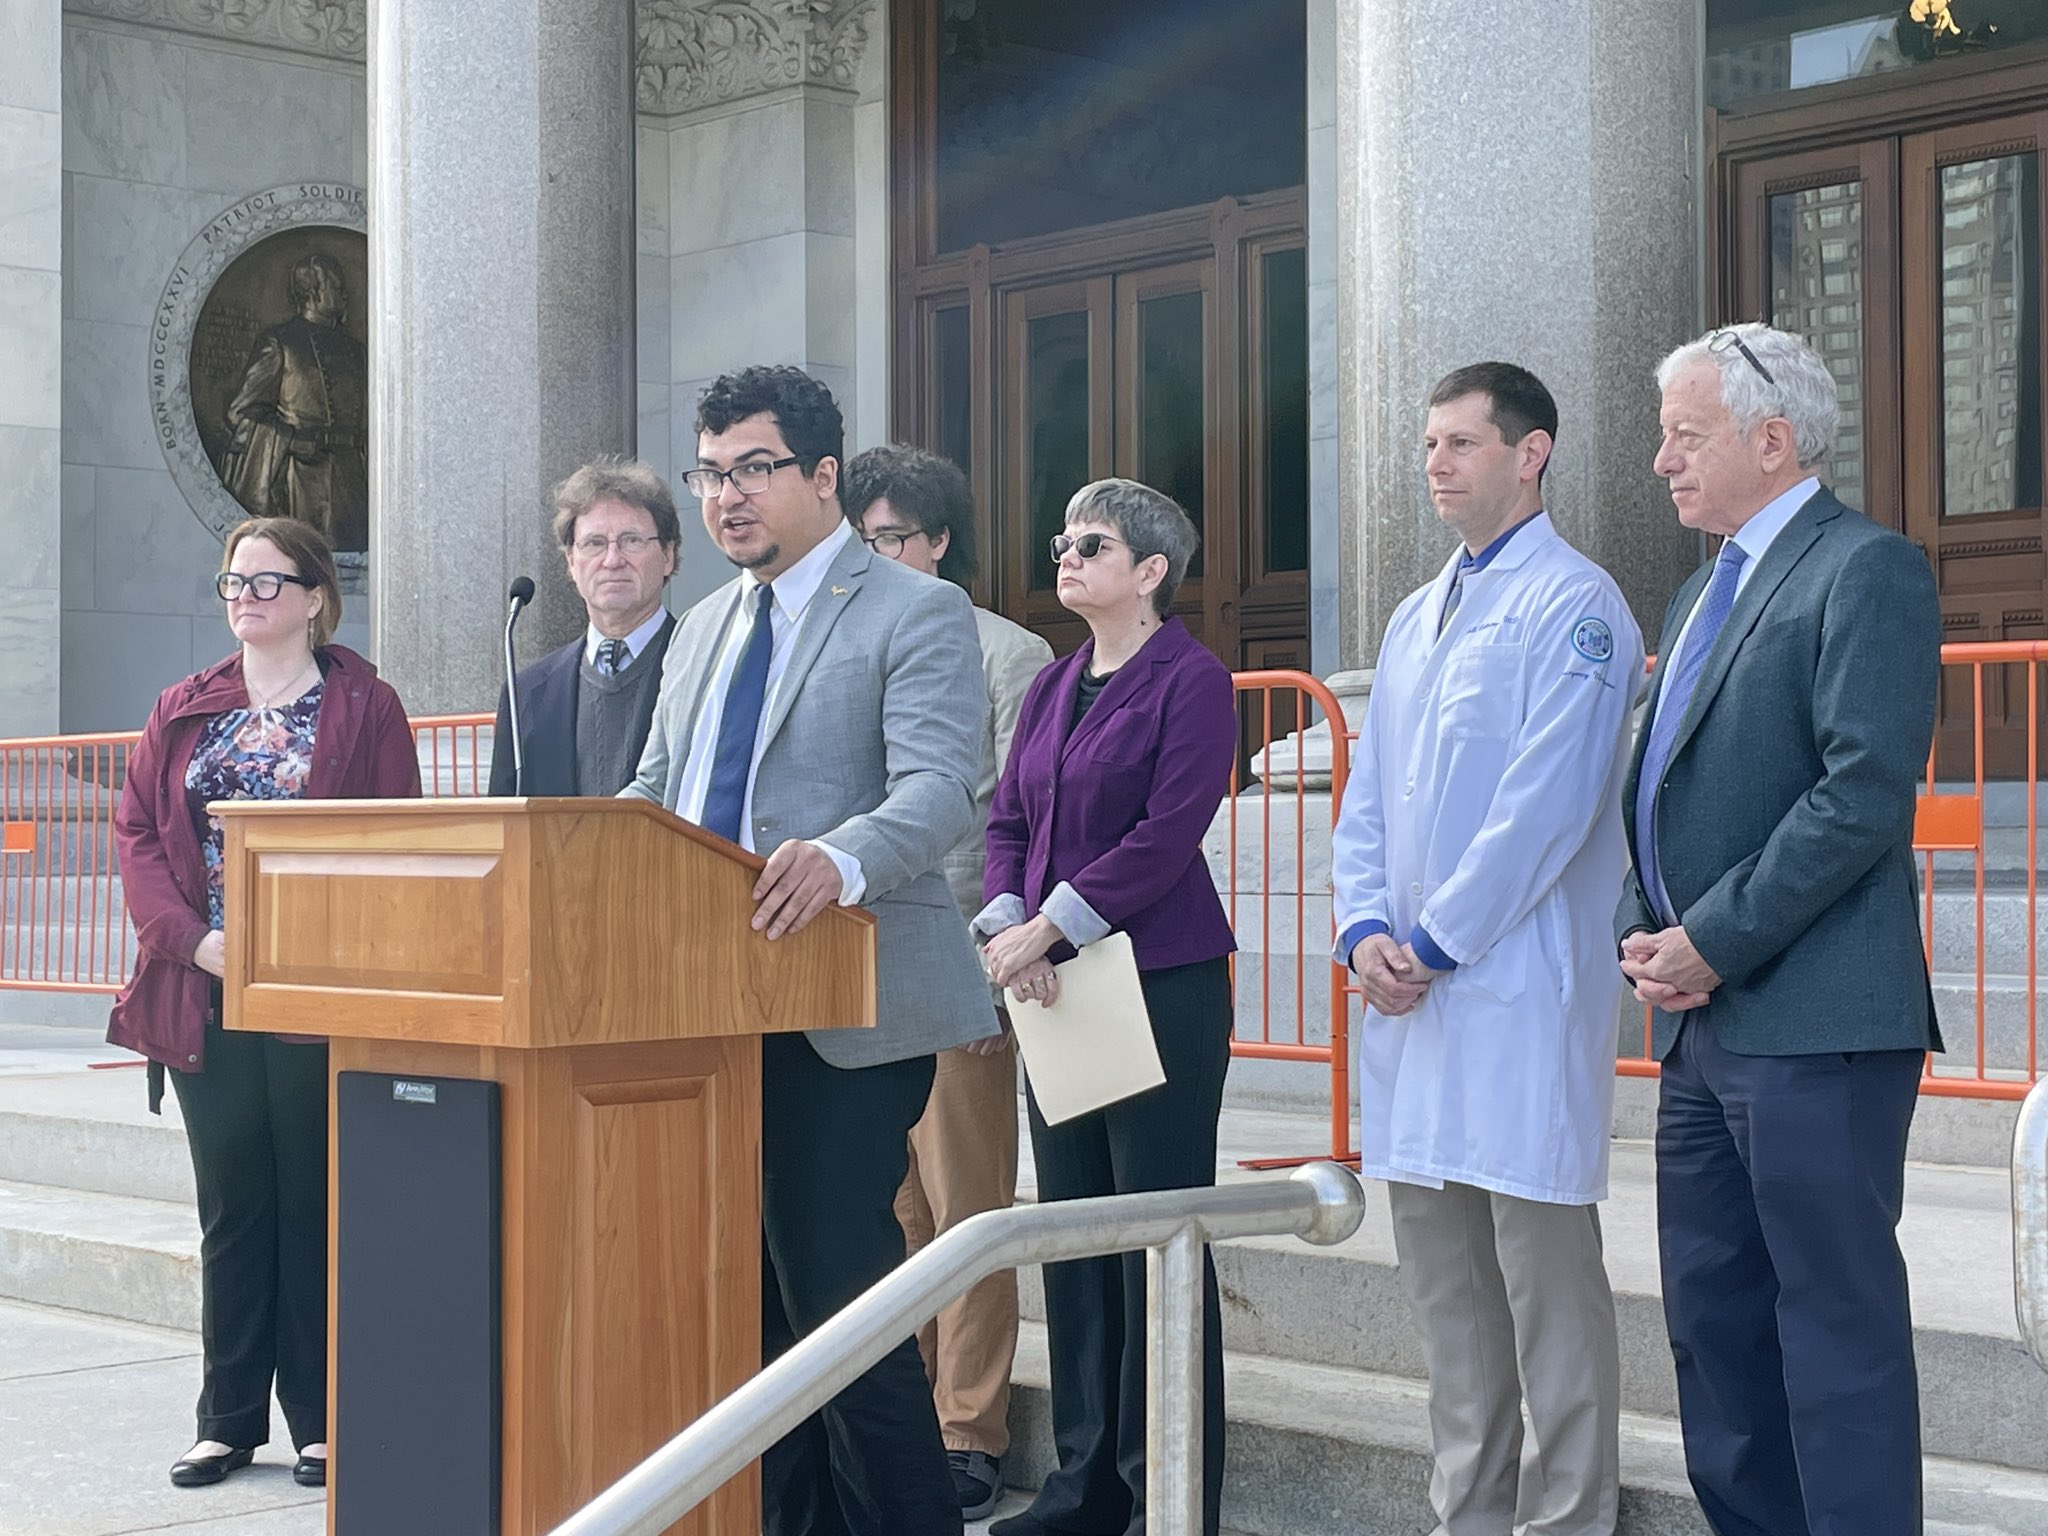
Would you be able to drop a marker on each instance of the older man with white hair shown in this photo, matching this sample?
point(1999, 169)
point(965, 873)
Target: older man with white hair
point(1771, 923)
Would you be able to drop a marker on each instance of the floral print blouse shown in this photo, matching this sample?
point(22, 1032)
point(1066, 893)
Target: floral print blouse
point(248, 754)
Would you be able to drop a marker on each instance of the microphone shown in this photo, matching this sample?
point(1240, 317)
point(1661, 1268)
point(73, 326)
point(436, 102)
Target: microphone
point(520, 595)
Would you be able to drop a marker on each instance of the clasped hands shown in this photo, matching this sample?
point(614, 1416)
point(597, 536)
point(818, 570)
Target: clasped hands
point(1015, 960)
point(1666, 971)
point(1392, 976)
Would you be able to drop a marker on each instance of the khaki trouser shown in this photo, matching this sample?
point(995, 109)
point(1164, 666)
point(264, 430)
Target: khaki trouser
point(1514, 1305)
point(963, 1161)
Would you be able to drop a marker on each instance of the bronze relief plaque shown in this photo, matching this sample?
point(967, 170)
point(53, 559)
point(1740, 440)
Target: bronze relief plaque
point(258, 377)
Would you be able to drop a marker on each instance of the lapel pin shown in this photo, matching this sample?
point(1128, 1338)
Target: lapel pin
point(839, 591)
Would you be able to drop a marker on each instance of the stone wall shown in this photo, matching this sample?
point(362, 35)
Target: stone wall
point(30, 366)
point(162, 132)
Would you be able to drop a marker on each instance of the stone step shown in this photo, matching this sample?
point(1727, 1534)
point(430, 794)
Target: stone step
point(108, 1255)
point(1317, 1449)
point(1343, 1306)
point(69, 1012)
point(39, 896)
point(92, 1133)
point(95, 1215)
point(2011, 1040)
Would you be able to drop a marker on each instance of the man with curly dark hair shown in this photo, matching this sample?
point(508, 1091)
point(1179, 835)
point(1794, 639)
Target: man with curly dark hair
point(825, 708)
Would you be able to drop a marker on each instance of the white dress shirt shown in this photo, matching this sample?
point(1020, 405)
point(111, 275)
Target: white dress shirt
point(793, 589)
point(1754, 537)
point(636, 642)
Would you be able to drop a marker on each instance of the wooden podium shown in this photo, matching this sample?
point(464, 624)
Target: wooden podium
point(593, 960)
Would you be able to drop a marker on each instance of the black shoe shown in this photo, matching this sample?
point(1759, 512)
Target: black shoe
point(201, 1471)
point(310, 1471)
point(978, 1481)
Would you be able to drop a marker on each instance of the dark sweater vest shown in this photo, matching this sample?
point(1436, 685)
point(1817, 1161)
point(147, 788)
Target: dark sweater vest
point(607, 710)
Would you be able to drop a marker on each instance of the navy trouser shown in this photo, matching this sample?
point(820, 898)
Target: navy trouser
point(835, 1145)
point(1780, 1181)
point(1164, 1138)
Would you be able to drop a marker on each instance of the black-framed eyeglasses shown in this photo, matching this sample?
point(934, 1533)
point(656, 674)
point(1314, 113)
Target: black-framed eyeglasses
point(1087, 546)
point(261, 585)
point(748, 478)
point(1727, 337)
point(592, 546)
point(890, 545)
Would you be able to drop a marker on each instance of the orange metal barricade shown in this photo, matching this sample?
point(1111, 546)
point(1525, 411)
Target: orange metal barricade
point(1291, 899)
point(64, 926)
point(1996, 1055)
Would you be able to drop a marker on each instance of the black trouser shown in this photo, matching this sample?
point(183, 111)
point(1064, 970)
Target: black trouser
point(256, 1120)
point(1095, 1308)
point(835, 1146)
point(1780, 1182)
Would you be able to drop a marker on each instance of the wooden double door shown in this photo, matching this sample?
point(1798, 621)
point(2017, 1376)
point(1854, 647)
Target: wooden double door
point(1172, 350)
point(1911, 249)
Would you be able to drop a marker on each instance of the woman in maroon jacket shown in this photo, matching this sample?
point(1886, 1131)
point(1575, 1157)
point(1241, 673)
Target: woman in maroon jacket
point(287, 716)
point(1121, 757)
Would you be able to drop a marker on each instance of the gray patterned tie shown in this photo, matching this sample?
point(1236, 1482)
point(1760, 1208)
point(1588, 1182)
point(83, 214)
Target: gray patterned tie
point(612, 658)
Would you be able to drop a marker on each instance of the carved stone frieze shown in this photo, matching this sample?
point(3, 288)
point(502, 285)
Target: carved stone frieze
point(690, 53)
point(700, 53)
point(329, 29)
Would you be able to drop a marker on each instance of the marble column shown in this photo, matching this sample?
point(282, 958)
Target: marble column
point(1523, 183)
point(31, 311)
point(502, 323)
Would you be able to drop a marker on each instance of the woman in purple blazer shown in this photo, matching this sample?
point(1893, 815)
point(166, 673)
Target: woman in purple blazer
point(1121, 757)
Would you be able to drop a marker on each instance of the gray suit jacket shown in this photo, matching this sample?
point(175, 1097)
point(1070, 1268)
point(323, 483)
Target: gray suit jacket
point(1785, 818)
point(872, 743)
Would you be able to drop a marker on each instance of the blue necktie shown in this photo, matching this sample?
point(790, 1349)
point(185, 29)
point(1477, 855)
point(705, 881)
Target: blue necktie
point(1454, 596)
point(739, 723)
point(1671, 706)
point(612, 657)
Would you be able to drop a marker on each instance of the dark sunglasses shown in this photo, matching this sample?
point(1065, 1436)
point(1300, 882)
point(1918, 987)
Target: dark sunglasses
point(1087, 546)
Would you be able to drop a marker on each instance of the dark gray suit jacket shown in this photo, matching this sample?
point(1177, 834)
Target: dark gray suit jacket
point(1785, 818)
point(548, 692)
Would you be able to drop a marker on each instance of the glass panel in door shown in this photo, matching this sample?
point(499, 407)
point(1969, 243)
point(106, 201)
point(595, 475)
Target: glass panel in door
point(953, 386)
point(1172, 455)
point(1990, 397)
point(1056, 429)
point(1817, 291)
point(1282, 430)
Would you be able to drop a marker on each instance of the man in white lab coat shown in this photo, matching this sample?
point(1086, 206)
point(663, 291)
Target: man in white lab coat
point(1477, 861)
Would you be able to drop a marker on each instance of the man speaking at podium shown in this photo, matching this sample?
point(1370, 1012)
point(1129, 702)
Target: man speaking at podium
point(826, 708)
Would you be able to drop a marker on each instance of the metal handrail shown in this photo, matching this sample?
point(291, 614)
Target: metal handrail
point(2030, 1221)
point(1322, 1203)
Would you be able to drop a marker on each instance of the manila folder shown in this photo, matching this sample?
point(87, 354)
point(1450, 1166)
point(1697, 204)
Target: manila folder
point(1094, 1045)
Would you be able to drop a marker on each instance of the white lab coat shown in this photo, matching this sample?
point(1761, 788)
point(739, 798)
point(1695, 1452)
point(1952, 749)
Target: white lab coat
point(1485, 802)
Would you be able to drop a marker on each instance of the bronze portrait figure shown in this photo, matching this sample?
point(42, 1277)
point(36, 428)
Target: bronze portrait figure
point(300, 414)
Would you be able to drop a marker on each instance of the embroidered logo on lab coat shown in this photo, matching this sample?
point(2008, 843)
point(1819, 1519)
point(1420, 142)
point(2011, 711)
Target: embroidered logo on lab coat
point(1592, 639)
